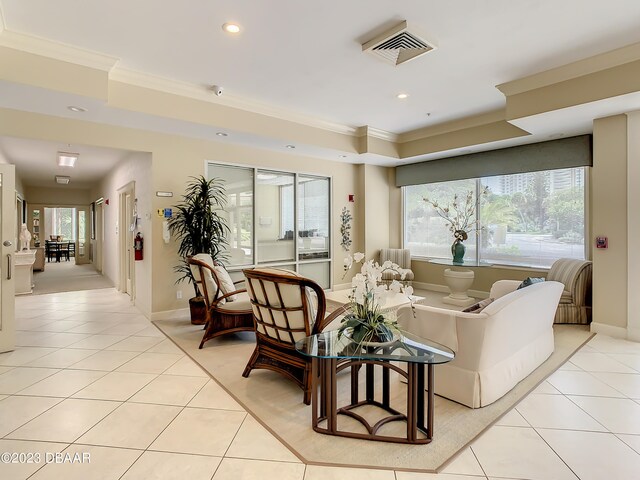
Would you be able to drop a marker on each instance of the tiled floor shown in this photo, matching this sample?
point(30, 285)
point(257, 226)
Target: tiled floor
point(92, 376)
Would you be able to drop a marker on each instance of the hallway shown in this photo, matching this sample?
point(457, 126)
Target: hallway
point(67, 277)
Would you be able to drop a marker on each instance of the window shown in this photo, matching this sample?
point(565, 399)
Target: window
point(283, 217)
point(527, 219)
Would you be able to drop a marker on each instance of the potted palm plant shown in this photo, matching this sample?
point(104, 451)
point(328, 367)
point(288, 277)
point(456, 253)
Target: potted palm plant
point(199, 228)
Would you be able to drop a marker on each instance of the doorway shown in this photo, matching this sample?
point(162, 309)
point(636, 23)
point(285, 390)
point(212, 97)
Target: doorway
point(126, 231)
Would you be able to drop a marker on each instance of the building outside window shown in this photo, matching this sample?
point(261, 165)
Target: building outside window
point(528, 219)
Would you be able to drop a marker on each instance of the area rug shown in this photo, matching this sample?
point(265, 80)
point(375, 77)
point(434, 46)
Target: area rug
point(277, 404)
point(68, 277)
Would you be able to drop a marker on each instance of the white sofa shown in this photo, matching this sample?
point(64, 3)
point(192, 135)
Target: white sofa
point(495, 348)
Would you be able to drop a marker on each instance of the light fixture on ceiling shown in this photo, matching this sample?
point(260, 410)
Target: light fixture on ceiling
point(66, 159)
point(402, 96)
point(62, 180)
point(290, 146)
point(231, 27)
point(75, 109)
point(222, 134)
point(267, 176)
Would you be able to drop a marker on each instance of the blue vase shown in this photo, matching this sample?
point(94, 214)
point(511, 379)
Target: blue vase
point(457, 250)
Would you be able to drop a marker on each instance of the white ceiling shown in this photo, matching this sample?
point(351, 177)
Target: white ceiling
point(305, 58)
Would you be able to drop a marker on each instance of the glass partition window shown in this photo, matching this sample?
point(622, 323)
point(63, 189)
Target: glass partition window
point(527, 219)
point(60, 222)
point(283, 217)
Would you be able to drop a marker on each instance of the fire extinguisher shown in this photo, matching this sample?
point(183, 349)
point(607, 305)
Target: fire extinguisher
point(138, 246)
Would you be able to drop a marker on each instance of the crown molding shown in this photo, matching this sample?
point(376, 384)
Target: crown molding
point(55, 50)
point(196, 92)
point(586, 66)
point(369, 131)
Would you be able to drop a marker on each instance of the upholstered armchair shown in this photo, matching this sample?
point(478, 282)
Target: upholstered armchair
point(401, 257)
point(575, 303)
point(228, 309)
point(286, 308)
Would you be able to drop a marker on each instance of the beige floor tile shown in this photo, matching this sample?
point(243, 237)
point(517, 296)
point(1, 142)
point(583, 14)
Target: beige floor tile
point(5, 369)
point(518, 453)
point(186, 366)
point(200, 431)
point(16, 411)
point(546, 388)
point(135, 344)
point(37, 452)
point(105, 360)
point(629, 359)
point(316, 472)
point(599, 362)
point(116, 386)
point(618, 415)
point(255, 442)
point(32, 338)
point(170, 390)
point(464, 464)
point(105, 463)
point(568, 366)
point(214, 396)
point(234, 469)
point(556, 411)
point(132, 425)
point(513, 419)
point(581, 383)
point(20, 378)
point(63, 358)
point(165, 346)
point(98, 341)
point(150, 363)
point(31, 324)
point(59, 340)
point(151, 331)
point(66, 421)
point(594, 456)
point(125, 329)
point(604, 344)
point(62, 325)
point(172, 466)
point(63, 384)
point(632, 440)
point(92, 327)
point(24, 355)
point(628, 384)
point(437, 476)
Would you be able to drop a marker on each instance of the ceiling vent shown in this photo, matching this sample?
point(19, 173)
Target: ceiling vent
point(398, 45)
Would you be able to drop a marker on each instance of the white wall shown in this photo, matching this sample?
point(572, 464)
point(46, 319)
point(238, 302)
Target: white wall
point(135, 168)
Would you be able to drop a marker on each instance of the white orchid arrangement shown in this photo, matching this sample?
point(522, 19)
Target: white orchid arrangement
point(367, 320)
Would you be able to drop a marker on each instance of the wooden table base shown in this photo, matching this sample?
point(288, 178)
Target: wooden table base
point(324, 399)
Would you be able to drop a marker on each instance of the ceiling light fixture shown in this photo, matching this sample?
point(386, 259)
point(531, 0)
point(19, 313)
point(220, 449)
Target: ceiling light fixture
point(290, 146)
point(62, 180)
point(66, 159)
point(75, 109)
point(402, 96)
point(222, 134)
point(231, 27)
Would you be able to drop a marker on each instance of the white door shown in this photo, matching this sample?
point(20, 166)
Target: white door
point(128, 245)
point(7, 233)
point(84, 236)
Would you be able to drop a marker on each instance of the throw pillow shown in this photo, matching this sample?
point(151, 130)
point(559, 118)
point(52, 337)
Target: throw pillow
point(226, 284)
point(478, 307)
point(530, 281)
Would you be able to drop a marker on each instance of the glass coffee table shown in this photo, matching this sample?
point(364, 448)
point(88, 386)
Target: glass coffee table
point(331, 354)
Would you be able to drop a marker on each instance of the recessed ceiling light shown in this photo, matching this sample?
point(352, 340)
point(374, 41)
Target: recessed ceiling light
point(66, 159)
point(73, 108)
point(231, 27)
point(62, 180)
point(222, 134)
point(290, 146)
point(402, 96)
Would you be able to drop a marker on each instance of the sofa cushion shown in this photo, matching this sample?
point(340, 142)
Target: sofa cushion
point(478, 307)
point(530, 281)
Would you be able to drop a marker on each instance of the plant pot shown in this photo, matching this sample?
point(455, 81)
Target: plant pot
point(198, 310)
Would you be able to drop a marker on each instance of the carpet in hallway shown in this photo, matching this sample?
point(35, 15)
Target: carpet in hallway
point(67, 277)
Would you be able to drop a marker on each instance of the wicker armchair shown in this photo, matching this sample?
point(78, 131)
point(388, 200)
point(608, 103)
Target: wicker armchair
point(225, 312)
point(575, 303)
point(285, 311)
point(401, 257)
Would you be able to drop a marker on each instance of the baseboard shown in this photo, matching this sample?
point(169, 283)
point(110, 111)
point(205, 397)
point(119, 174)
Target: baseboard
point(610, 330)
point(633, 334)
point(171, 314)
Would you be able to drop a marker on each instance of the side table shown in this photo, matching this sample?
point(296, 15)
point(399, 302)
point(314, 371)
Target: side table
point(331, 353)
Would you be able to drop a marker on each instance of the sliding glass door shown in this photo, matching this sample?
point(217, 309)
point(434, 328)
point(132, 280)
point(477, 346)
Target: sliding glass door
point(277, 219)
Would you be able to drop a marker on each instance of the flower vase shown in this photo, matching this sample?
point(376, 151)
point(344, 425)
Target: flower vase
point(457, 250)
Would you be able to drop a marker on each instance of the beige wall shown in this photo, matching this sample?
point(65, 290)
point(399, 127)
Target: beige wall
point(175, 158)
point(633, 224)
point(376, 209)
point(56, 197)
point(609, 218)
